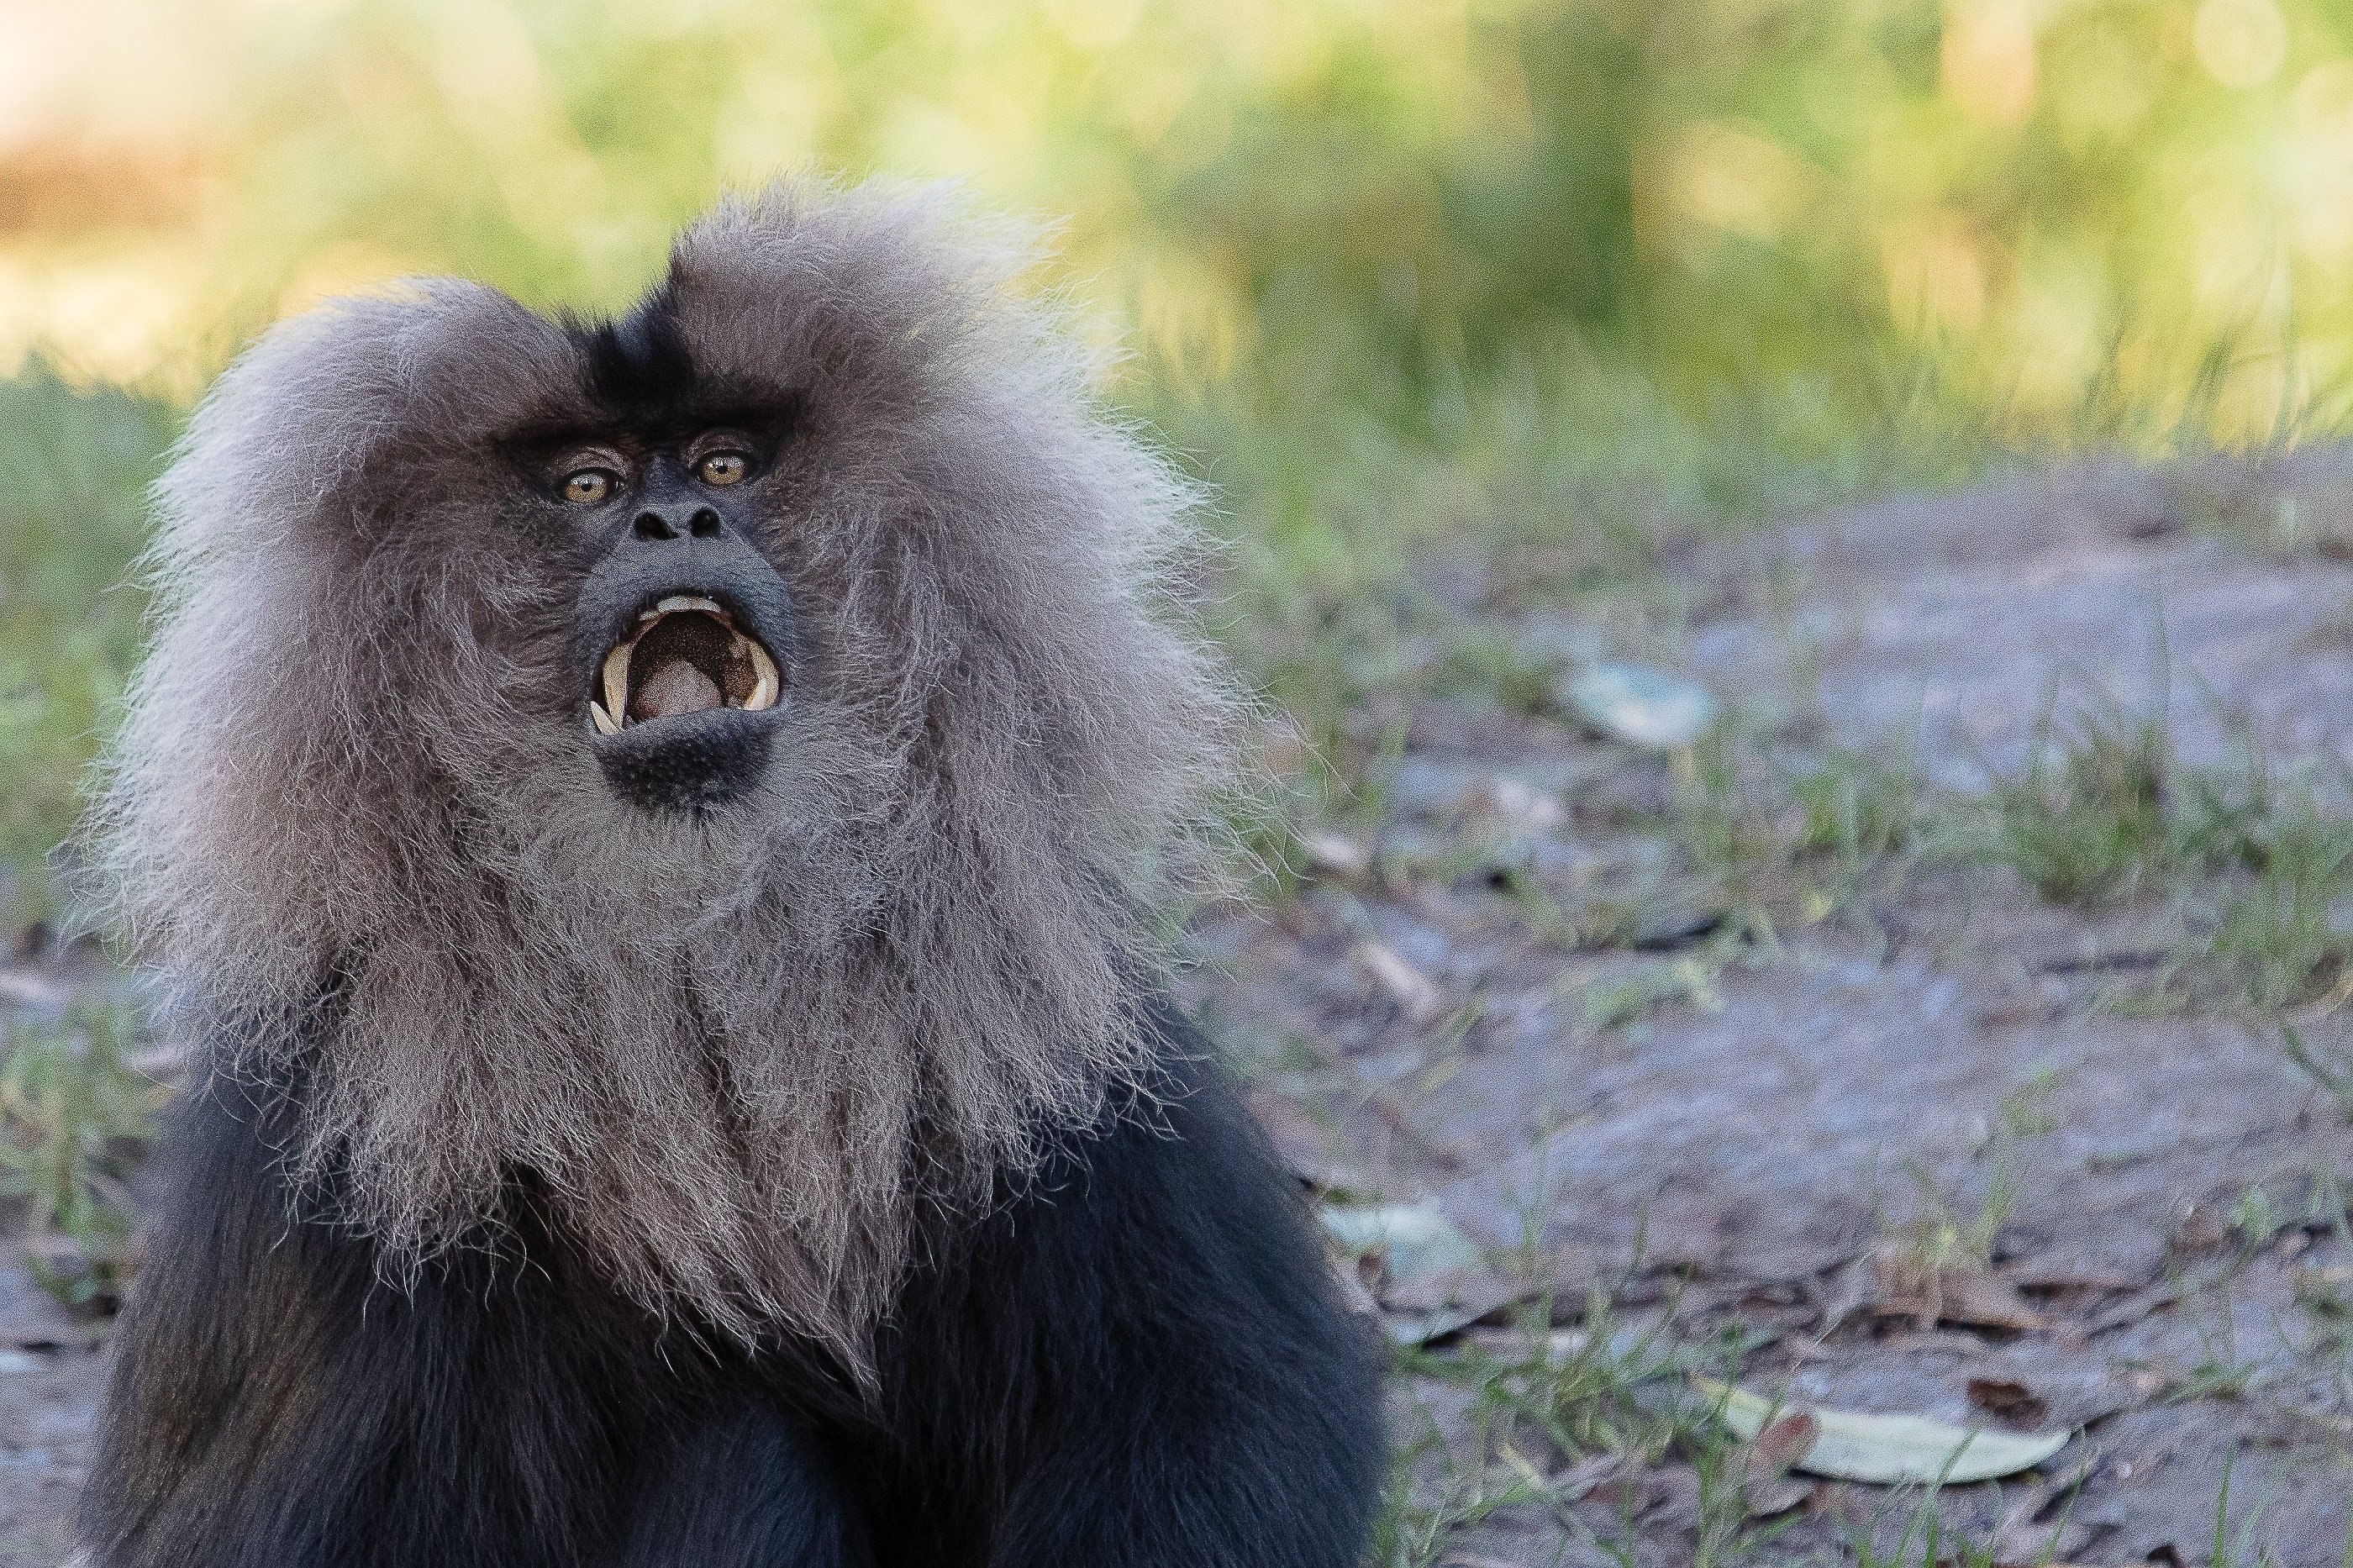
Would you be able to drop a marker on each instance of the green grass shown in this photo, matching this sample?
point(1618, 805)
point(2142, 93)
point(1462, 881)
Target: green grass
point(1765, 832)
point(1539, 1402)
point(72, 1119)
point(1859, 811)
point(2328, 1064)
point(2088, 823)
point(2106, 813)
point(74, 468)
point(2259, 866)
point(2263, 866)
point(2285, 936)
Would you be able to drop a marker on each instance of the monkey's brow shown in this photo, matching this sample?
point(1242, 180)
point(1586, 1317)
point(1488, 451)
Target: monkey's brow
point(573, 454)
point(764, 417)
point(723, 436)
point(551, 454)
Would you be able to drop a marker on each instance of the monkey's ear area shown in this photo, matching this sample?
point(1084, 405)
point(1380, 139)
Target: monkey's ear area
point(360, 391)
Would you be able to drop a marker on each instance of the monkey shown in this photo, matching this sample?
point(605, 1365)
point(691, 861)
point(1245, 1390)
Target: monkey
point(656, 833)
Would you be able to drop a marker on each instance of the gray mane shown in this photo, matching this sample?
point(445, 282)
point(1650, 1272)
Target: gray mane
point(739, 1053)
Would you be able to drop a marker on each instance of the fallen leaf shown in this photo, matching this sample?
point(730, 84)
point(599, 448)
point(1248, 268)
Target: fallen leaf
point(1889, 1450)
point(1903, 1288)
point(1410, 1238)
point(2008, 1399)
point(1431, 1279)
point(1642, 706)
point(1415, 1328)
point(1416, 994)
point(1335, 855)
point(1766, 1499)
point(1787, 1438)
point(1767, 1487)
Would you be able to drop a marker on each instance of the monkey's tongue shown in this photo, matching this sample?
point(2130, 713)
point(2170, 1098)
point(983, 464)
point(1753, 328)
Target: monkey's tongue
point(673, 686)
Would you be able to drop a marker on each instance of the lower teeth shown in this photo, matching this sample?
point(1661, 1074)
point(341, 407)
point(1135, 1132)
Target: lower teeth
point(615, 713)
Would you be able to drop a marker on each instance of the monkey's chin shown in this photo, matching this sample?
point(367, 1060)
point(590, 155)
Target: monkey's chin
point(689, 760)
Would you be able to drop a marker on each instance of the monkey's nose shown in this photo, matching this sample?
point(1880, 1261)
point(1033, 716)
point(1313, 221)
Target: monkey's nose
point(682, 520)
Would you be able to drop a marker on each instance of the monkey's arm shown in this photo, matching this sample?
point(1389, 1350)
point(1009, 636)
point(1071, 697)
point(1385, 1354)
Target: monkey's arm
point(275, 1404)
point(1166, 1357)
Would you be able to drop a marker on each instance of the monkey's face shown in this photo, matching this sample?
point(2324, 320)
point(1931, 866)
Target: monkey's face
point(681, 645)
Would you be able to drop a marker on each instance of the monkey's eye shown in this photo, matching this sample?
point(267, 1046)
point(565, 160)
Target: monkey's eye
point(723, 468)
point(587, 487)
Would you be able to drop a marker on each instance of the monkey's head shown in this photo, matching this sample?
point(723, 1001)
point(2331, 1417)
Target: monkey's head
point(713, 766)
point(682, 635)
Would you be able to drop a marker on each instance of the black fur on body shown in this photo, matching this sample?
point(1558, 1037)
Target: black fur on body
point(751, 1135)
point(1133, 1360)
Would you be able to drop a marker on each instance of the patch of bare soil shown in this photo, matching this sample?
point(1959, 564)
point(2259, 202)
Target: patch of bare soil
point(52, 1376)
point(1924, 1163)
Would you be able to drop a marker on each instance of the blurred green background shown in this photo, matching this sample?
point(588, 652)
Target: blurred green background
point(1575, 274)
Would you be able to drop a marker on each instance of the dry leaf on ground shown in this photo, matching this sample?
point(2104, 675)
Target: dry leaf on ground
point(2008, 1399)
point(1431, 1279)
point(1416, 994)
point(1642, 706)
point(1888, 1449)
point(1905, 1288)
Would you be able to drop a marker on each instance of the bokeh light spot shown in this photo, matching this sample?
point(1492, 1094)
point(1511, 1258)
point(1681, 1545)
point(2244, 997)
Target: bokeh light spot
point(2241, 43)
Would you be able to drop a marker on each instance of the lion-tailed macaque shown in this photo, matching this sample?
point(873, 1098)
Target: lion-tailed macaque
point(658, 834)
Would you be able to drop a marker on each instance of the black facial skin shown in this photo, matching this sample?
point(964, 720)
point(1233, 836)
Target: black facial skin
point(665, 530)
point(677, 471)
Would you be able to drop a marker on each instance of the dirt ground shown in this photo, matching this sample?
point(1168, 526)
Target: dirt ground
point(1924, 1155)
point(1762, 1152)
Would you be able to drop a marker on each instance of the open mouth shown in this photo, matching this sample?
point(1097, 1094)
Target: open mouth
point(685, 655)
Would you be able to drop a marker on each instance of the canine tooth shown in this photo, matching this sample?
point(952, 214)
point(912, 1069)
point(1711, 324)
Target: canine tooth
point(765, 683)
point(602, 720)
point(616, 681)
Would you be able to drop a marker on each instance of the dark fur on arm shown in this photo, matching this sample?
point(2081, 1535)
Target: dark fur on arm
point(1142, 1360)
